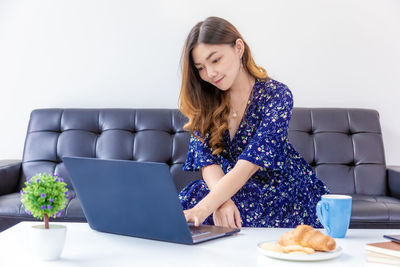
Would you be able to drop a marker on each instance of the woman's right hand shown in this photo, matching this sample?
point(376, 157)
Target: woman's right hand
point(227, 215)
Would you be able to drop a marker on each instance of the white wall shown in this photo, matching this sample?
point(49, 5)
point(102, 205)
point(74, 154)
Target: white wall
point(115, 53)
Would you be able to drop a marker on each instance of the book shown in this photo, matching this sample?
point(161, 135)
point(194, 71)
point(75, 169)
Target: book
point(386, 248)
point(382, 258)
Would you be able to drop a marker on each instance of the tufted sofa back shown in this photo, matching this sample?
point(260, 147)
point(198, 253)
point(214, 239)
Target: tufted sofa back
point(127, 134)
point(344, 146)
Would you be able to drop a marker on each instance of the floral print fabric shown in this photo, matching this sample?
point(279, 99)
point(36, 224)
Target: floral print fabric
point(285, 190)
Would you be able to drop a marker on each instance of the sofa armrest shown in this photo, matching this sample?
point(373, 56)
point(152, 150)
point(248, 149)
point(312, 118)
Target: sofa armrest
point(393, 174)
point(9, 176)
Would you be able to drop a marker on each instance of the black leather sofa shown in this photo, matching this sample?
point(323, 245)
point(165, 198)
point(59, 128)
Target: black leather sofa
point(344, 146)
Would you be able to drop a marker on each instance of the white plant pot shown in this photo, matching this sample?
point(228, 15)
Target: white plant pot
point(47, 244)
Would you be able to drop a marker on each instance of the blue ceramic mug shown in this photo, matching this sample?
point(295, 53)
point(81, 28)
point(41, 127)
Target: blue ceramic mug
point(334, 213)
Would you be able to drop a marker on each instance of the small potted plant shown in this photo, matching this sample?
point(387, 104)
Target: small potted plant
point(45, 196)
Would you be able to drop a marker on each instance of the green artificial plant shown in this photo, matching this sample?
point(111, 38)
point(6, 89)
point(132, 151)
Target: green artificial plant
point(44, 196)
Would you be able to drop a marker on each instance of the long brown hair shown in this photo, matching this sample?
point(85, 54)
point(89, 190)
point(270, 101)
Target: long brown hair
point(207, 107)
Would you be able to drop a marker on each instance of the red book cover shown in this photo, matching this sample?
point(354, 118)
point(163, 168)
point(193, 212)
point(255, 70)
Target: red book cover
point(388, 248)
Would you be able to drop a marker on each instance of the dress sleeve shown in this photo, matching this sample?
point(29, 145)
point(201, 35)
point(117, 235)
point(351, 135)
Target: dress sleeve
point(267, 148)
point(199, 154)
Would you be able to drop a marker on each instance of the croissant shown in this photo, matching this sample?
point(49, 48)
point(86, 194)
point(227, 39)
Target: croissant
point(307, 236)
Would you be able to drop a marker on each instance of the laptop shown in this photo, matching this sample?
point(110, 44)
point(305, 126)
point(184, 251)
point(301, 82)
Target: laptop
point(135, 199)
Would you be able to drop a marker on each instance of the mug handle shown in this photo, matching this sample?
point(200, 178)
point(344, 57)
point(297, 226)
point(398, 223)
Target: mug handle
point(322, 214)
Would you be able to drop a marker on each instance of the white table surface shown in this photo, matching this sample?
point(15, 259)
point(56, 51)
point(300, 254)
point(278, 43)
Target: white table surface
point(86, 247)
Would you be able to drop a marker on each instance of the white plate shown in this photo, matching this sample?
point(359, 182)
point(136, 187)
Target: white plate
point(317, 256)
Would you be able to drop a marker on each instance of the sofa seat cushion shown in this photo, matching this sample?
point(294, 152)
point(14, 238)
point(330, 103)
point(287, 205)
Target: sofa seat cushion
point(365, 209)
point(368, 208)
point(11, 206)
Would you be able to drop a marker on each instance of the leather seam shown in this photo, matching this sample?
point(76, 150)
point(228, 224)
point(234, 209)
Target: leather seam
point(354, 152)
point(388, 210)
point(313, 137)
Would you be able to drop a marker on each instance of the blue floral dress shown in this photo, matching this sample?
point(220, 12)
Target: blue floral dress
point(284, 193)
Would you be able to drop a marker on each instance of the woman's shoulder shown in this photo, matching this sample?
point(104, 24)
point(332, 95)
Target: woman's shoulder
point(198, 137)
point(271, 89)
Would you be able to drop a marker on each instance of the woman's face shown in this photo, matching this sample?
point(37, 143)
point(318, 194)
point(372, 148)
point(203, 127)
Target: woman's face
point(218, 64)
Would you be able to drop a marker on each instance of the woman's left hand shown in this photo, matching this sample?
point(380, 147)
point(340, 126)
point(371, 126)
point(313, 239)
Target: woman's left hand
point(197, 215)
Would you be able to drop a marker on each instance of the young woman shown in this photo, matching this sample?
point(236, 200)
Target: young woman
point(238, 119)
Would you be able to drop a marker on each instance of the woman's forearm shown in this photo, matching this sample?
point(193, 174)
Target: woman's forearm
point(228, 185)
point(212, 174)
